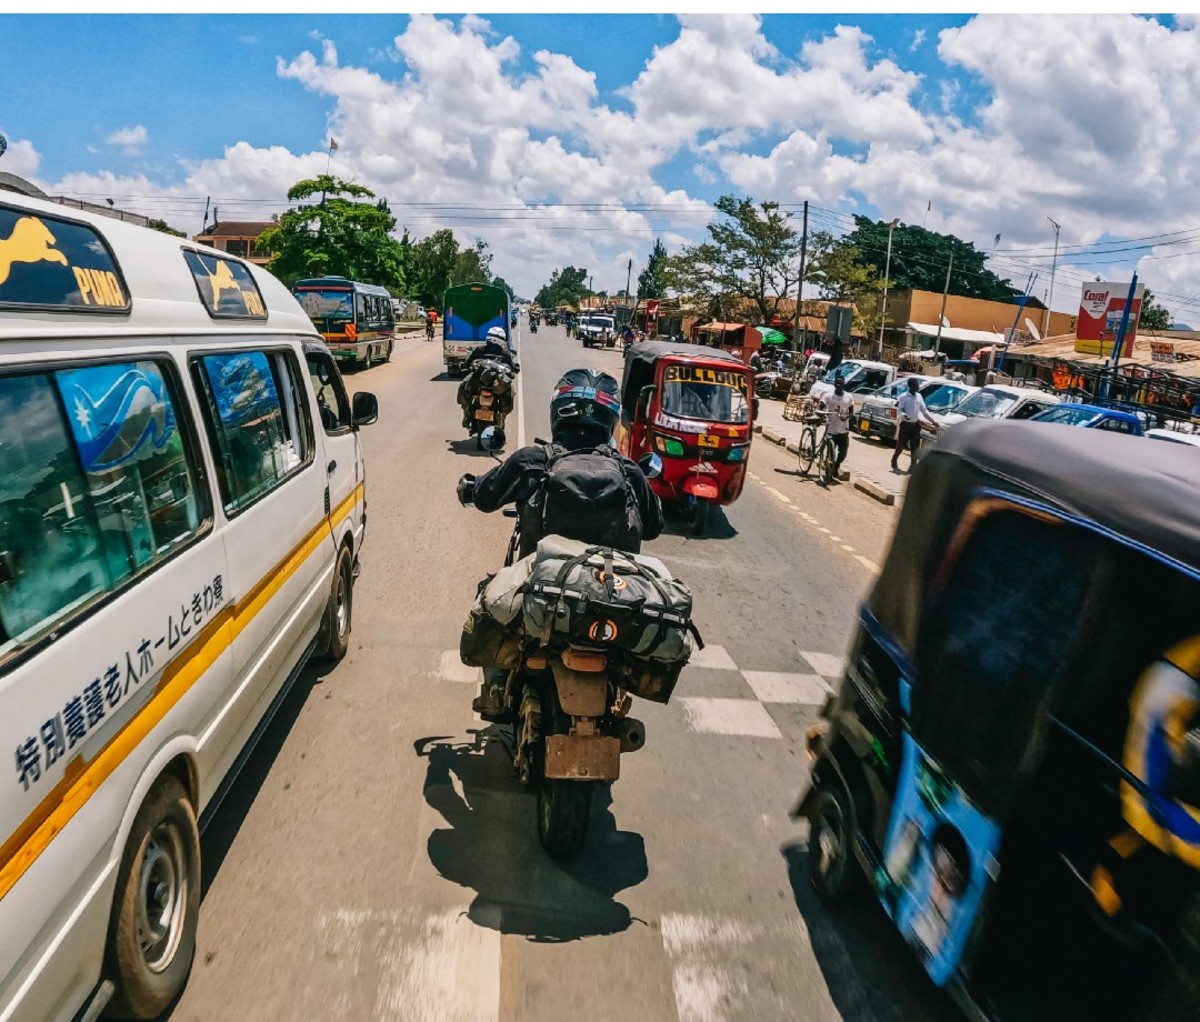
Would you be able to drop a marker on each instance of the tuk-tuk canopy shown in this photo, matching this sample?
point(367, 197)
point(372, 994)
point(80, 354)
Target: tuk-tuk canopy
point(1011, 621)
point(642, 357)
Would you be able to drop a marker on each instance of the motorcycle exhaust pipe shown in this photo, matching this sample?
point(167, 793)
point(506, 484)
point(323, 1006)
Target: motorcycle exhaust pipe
point(631, 733)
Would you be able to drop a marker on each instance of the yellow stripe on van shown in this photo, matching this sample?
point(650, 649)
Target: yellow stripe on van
point(81, 781)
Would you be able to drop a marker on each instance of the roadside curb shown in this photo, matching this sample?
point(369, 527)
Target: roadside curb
point(864, 484)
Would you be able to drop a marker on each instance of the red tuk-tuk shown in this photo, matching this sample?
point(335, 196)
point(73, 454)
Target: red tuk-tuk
point(694, 407)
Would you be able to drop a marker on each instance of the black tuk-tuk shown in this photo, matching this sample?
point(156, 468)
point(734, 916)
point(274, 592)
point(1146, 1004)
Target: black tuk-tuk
point(1013, 757)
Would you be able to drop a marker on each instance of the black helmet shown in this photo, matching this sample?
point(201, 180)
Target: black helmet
point(585, 399)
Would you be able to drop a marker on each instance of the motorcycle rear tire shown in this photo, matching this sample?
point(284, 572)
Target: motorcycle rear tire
point(564, 810)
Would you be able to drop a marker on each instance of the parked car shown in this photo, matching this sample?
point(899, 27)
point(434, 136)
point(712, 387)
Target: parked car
point(1174, 436)
point(861, 378)
point(877, 417)
point(1091, 417)
point(999, 401)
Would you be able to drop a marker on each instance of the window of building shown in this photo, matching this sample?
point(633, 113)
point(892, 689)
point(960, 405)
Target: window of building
point(95, 485)
point(259, 424)
point(236, 246)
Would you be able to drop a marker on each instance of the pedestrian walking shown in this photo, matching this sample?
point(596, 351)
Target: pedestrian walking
point(839, 406)
point(910, 410)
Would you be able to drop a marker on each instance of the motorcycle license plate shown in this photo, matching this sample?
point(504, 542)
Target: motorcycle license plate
point(484, 415)
point(485, 399)
point(865, 425)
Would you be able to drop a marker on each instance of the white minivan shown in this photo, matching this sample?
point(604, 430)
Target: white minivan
point(182, 508)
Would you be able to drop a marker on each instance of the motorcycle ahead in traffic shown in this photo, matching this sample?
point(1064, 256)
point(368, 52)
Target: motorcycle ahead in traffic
point(578, 630)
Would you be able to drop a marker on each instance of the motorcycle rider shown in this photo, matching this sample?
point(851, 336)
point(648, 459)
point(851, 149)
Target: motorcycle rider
point(495, 349)
point(583, 413)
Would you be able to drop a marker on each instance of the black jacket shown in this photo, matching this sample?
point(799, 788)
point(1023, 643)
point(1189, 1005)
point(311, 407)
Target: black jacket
point(492, 350)
point(520, 475)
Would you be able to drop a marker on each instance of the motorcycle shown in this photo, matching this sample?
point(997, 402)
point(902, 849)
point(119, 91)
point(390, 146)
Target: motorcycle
point(485, 396)
point(567, 704)
point(533, 326)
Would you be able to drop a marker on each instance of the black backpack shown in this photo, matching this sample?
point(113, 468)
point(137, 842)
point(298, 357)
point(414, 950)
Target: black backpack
point(584, 495)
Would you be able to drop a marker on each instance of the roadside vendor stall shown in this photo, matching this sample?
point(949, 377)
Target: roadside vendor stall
point(739, 339)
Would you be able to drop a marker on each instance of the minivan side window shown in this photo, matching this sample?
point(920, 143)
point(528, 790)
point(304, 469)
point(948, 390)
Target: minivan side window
point(258, 423)
point(332, 402)
point(95, 484)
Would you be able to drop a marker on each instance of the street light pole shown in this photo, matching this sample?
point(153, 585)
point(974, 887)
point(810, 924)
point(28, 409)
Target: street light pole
point(886, 273)
point(1053, 267)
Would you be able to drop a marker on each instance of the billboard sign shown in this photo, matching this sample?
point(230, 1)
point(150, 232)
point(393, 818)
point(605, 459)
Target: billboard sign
point(1101, 306)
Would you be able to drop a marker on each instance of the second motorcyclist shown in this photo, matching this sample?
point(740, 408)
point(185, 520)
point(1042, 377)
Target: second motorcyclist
point(494, 349)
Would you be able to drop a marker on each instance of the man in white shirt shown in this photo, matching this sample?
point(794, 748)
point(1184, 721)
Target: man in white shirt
point(840, 407)
point(910, 410)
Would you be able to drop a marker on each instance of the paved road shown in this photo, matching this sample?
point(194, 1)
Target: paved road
point(378, 861)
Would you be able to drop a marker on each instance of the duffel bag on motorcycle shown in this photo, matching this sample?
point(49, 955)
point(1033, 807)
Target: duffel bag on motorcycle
point(597, 596)
point(494, 633)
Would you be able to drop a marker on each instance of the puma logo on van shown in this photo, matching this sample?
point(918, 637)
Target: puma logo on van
point(220, 279)
point(30, 242)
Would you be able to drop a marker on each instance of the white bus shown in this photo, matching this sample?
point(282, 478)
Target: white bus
point(182, 508)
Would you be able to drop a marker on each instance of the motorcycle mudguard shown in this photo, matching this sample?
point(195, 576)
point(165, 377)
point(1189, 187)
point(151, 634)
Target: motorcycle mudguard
point(700, 488)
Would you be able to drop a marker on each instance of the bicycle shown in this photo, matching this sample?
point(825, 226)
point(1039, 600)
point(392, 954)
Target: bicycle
point(823, 451)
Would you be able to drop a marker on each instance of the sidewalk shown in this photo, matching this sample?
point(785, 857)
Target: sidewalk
point(868, 462)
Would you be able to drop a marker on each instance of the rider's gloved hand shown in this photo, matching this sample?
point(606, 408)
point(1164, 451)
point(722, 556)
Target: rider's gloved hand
point(466, 489)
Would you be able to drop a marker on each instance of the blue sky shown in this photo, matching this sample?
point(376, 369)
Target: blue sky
point(979, 125)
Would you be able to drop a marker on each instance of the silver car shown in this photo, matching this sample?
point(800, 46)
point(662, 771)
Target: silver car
point(878, 415)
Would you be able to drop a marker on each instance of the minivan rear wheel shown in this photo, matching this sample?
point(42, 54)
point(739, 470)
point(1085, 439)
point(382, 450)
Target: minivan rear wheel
point(341, 605)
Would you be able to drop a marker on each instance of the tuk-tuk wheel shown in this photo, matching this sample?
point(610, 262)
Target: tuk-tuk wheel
point(829, 848)
point(699, 517)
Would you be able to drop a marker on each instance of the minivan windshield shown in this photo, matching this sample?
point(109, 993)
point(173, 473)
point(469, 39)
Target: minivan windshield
point(845, 370)
point(941, 397)
point(1070, 415)
point(987, 404)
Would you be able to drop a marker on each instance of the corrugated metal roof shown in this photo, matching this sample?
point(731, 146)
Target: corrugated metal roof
point(957, 333)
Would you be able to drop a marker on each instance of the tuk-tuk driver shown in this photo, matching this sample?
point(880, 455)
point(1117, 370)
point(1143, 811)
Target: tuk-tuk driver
point(1162, 748)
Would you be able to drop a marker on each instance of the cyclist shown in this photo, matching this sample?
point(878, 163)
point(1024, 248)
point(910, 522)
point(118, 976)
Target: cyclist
point(840, 407)
point(428, 328)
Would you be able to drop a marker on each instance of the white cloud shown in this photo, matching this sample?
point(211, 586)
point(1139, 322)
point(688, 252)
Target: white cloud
point(129, 140)
point(1095, 124)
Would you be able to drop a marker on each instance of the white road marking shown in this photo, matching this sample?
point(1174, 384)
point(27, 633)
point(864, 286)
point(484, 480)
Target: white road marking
point(782, 687)
point(746, 718)
point(827, 665)
point(712, 656)
point(451, 668)
point(836, 539)
point(849, 549)
point(825, 530)
point(867, 563)
point(782, 496)
point(436, 967)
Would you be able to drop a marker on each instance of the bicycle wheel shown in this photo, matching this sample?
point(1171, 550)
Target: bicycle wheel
point(808, 449)
point(828, 462)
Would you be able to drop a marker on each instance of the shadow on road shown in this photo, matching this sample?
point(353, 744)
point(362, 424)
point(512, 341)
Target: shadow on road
point(467, 445)
point(491, 846)
point(871, 973)
point(677, 522)
point(442, 377)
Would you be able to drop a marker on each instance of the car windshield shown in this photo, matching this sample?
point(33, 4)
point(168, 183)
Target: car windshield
point(987, 404)
point(712, 402)
point(1070, 415)
point(329, 305)
point(845, 370)
point(940, 397)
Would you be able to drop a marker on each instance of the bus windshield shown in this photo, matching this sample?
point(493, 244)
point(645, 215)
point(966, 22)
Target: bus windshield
point(335, 306)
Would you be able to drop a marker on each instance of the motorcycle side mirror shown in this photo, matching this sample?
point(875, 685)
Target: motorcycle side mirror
point(364, 409)
point(651, 465)
point(492, 438)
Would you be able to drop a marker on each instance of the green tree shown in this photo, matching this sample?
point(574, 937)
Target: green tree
point(433, 264)
point(920, 257)
point(651, 282)
point(1153, 316)
point(166, 228)
point(341, 234)
point(752, 254)
point(838, 269)
point(472, 265)
point(566, 287)
point(501, 282)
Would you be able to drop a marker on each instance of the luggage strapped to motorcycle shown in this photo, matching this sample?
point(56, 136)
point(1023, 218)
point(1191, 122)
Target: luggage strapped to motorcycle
point(557, 591)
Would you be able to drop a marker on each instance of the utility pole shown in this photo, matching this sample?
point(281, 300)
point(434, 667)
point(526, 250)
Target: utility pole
point(886, 274)
point(800, 283)
point(1053, 267)
point(937, 345)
